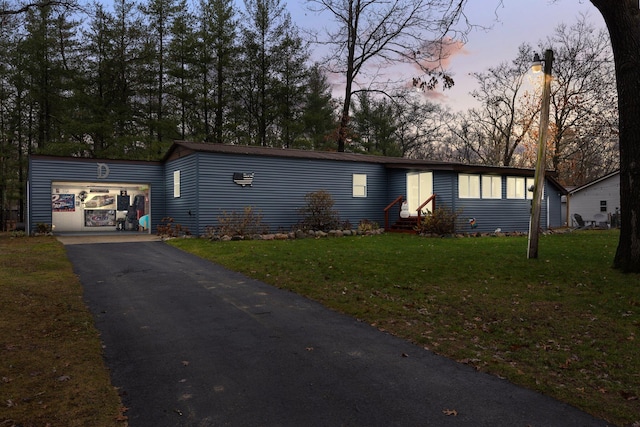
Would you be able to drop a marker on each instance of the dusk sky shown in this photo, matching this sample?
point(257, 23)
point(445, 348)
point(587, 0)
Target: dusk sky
point(513, 23)
point(520, 21)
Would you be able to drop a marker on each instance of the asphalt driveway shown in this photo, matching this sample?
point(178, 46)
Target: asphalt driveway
point(190, 343)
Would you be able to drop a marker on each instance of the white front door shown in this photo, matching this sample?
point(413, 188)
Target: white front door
point(419, 189)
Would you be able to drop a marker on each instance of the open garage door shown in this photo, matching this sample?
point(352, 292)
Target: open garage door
point(100, 207)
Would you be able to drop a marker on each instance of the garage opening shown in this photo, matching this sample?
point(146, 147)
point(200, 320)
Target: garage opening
point(100, 207)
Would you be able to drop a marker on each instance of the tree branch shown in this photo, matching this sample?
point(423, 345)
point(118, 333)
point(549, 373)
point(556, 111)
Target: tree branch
point(36, 5)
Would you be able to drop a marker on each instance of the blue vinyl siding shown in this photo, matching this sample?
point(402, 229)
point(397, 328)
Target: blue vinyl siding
point(178, 208)
point(45, 170)
point(279, 187)
point(397, 184)
point(281, 180)
point(508, 215)
point(555, 207)
point(490, 214)
point(444, 184)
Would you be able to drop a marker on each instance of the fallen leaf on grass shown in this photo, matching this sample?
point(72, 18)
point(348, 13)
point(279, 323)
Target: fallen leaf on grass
point(628, 396)
point(63, 378)
point(185, 363)
point(449, 412)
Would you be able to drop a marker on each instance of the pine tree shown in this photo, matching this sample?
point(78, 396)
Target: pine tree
point(160, 15)
point(264, 33)
point(319, 117)
point(180, 74)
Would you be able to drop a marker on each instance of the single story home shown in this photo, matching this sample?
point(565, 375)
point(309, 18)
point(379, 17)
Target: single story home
point(197, 183)
point(596, 203)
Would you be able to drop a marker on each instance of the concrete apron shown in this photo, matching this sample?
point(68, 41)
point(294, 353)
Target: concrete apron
point(78, 239)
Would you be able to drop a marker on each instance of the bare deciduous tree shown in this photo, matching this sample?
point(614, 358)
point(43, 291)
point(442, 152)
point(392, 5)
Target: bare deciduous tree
point(373, 34)
point(495, 131)
point(23, 7)
point(584, 104)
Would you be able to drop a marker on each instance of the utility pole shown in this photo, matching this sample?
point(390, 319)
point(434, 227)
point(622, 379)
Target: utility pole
point(534, 223)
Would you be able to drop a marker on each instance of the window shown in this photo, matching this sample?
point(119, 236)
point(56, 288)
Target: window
point(468, 186)
point(518, 187)
point(603, 205)
point(530, 183)
point(515, 187)
point(491, 187)
point(359, 185)
point(176, 183)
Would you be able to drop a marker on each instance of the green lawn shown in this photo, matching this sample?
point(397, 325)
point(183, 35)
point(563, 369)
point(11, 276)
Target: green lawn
point(566, 324)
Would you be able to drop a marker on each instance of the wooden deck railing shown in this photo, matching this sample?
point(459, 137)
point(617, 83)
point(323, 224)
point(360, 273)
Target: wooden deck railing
point(399, 199)
point(429, 200)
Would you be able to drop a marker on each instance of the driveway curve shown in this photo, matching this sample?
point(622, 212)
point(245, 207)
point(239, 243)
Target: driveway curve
point(190, 343)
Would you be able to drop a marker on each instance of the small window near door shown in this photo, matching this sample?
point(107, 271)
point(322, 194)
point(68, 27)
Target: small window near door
point(359, 185)
point(603, 205)
point(176, 183)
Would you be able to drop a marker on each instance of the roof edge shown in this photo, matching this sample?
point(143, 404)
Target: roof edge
point(595, 181)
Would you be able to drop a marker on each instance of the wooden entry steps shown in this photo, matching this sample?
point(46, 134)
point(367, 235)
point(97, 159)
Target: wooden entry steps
point(405, 225)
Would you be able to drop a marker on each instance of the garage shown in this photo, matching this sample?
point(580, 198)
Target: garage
point(95, 207)
point(94, 196)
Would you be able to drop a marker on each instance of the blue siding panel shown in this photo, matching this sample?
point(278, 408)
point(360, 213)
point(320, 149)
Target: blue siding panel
point(508, 215)
point(279, 187)
point(184, 209)
point(555, 206)
point(443, 187)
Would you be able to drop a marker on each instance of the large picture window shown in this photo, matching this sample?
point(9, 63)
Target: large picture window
point(468, 186)
point(359, 185)
point(491, 187)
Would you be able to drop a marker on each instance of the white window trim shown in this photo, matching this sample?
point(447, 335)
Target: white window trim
point(359, 183)
point(491, 187)
point(472, 186)
point(516, 187)
point(530, 183)
point(176, 184)
point(521, 185)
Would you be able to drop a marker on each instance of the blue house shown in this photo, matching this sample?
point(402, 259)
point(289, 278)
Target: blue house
point(197, 183)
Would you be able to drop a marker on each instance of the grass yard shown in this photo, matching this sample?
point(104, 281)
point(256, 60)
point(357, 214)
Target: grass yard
point(51, 367)
point(566, 324)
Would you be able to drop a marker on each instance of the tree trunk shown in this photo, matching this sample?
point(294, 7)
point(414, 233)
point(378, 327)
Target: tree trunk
point(353, 15)
point(623, 22)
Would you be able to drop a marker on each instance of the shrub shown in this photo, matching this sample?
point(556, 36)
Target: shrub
point(318, 213)
point(43, 228)
point(168, 228)
point(441, 221)
point(365, 226)
point(245, 223)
